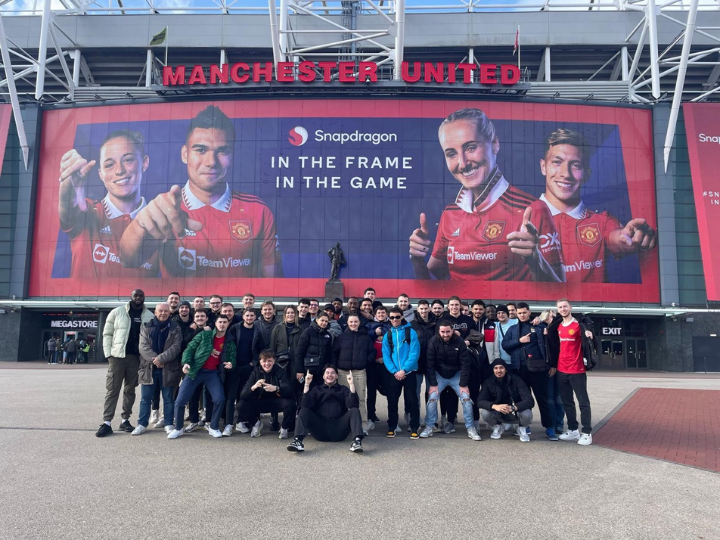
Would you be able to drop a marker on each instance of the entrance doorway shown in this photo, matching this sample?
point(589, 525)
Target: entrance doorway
point(612, 356)
point(706, 354)
point(636, 353)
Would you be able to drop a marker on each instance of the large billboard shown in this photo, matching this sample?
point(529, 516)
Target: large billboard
point(431, 198)
point(702, 125)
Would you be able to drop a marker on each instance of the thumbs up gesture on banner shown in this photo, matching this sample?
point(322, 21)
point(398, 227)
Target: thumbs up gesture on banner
point(525, 241)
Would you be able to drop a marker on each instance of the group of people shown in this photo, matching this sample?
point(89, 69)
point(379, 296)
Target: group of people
point(70, 351)
point(322, 369)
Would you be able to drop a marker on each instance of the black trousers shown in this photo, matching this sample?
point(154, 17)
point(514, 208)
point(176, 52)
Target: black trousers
point(328, 429)
point(537, 381)
point(235, 379)
point(474, 387)
point(393, 389)
point(577, 383)
point(249, 410)
point(373, 373)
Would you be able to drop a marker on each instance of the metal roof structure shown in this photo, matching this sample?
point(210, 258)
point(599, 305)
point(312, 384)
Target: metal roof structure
point(632, 51)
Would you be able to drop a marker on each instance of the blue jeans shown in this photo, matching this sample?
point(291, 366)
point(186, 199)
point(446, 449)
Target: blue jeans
point(53, 357)
point(146, 394)
point(557, 411)
point(211, 379)
point(454, 383)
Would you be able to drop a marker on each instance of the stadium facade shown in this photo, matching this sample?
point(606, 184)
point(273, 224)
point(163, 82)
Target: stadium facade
point(335, 109)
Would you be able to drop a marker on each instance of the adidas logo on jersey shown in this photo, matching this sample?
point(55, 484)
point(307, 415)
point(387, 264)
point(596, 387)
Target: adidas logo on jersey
point(456, 233)
point(106, 230)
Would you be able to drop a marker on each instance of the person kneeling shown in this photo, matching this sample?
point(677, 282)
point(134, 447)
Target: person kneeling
point(267, 390)
point(329, 411)
point(505, 399)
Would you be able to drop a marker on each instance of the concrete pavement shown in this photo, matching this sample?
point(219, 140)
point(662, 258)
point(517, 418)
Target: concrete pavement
point(60, 481)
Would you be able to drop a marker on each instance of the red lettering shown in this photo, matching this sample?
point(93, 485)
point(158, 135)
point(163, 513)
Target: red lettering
point(367, 70)
point(265, 70)
point(415, 77)
point(509, 74)
point(306, 71)
point(467, 70)
point(451, 72)
point(327, 68)
point(488, 74)
point(345, 71)
point(219, 72)
point(285, 72)
point(172, 79)
point(197, 75)
point(434, 72)
point(234, 72)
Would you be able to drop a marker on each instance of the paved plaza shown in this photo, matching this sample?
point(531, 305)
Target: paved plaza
point(60, 481)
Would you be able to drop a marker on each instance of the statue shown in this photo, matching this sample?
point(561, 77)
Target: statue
point(337, 259)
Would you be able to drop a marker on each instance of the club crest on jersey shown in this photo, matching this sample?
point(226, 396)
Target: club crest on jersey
point(589, 234)
point(493, 230)
point(571, 332)
point(241, 230)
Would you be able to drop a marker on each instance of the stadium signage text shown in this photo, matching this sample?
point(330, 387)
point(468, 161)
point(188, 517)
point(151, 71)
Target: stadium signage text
point(73, 324)
point(344, 72)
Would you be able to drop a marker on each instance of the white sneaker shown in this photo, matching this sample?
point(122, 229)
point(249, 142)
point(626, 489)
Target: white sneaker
point(168, 429)
point(283, 433)
point(497, 431)
point(227, 431)
point(522, 433)
point(160, 423)
point(242, 427)
point(192, 427)
point(175, 433)
point(154, 416)
point(139, 430)
point(215, 433)
point(585, 439)
point(569, 435)
point(427, 432)
point(473, 434)
point(370, 425)
point(257, 429)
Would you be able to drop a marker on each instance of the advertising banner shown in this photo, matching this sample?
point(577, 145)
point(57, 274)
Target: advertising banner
point(702, 125)
point(432, 198)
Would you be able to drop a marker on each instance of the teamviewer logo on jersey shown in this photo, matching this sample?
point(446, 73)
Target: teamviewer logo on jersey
point(298, 136)
point(451, 255)
point(100, 253)
point(187, 259)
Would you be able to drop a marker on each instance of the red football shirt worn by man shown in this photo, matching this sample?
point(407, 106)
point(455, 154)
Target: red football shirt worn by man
point(492, 229)
point(205, 229)
point(96, 227)
point(586, 237)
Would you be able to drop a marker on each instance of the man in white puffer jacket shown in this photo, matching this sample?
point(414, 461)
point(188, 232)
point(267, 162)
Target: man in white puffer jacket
point(121, 339)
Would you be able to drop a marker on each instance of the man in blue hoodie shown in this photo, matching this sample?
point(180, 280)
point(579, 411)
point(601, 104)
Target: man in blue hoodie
point(401, 350)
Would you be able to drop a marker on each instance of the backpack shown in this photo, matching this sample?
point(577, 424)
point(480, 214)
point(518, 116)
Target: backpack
point(406, 340)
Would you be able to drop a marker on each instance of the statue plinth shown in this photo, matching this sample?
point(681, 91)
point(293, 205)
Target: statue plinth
point(334, 289)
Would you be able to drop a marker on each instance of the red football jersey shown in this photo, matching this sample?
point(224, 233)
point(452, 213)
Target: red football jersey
point(237, 238)
point(474, 242)
point(95, 243)
point(570, 359)
point(584, 235)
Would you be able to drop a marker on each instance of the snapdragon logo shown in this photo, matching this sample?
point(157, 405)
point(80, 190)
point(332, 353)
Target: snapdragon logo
point(298, 136)
point(354, 136)
point(709, 138)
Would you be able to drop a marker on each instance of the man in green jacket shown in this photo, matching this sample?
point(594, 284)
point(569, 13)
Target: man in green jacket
point(204, 361)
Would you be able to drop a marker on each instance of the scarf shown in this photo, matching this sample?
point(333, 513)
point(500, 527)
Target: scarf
point(159, 335)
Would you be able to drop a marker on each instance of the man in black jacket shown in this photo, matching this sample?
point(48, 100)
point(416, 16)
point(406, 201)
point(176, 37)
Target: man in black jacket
point(505, 399)
point(448, 365)
point(353, 351)
point(329, 411)
point(424, 325)
point(267, 390)
point(246, 343)
point(527, 349)
point(314, 349)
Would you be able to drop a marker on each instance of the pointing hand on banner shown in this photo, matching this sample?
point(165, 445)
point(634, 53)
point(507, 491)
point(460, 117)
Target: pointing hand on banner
point(636, 235)
point(525, 241)
point(75, 167)
point(164, 219)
